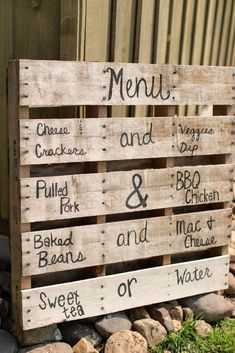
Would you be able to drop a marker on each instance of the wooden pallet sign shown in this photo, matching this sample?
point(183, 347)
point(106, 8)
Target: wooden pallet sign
point(145, 191)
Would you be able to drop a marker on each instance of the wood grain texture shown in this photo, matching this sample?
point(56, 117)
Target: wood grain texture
point(70, 196)
point(99, 296)
point(92, 245)
point(58, 83)
point(80, 140)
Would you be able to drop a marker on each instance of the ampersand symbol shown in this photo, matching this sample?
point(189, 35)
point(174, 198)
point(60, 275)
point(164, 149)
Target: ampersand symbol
point(136, 178)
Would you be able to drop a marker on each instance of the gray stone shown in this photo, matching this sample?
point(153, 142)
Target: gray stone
point(137, 314)
point(50, 333)
point(231, 285)
point(7, 342)
point(177, 325)
point(151, 330)
point(203, 329)
point(162, 315)
point(4, 249)
point(126, 342)
point(177, 313)
point(4, 309)
point(57, 347)
point(84, 346)
point(232, 254)
point(210, 307)
point(188, 314)
point(112, 323)
point(74, 331)
point(232, 267)
point(5, 281)
point(174, 309)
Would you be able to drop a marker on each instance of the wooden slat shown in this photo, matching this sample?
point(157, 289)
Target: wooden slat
point(231, 39)
point(70, 196)
point(199, 33)
point(98, 296)
point(44, 83)
point(188, 31)
point(96, 43)
point(162, 31)
point(225, 31)
point(144, 39)
point(175, 38)
point(69, 24)
point(122, 40)
point(217, 33)
point(79, 140)
point(209, 32)
point(92, 245)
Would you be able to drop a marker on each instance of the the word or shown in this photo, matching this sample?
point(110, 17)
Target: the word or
point(70, 304)
point(125, 288)
point(136, 87)
point(135, 138)
point(133, 237)
point(191, 276)
point(136, 178)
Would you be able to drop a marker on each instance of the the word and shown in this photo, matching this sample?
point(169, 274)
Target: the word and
point(135, 138)
point(133, 237)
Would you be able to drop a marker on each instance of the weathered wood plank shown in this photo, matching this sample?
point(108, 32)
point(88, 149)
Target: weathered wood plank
point(96, 43)
point(92, 245)
point(61, 197)
point(102, 295)
point(58, 83)
point(209, 32)
point(79, 140)
point(161, 38)
point(226, 27)
point(175, 36)
point(188, 32)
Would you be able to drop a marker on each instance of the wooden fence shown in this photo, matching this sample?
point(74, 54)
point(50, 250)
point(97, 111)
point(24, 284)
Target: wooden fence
point(148, 31)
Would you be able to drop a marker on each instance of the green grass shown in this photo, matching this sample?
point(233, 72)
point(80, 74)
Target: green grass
point(221, 340)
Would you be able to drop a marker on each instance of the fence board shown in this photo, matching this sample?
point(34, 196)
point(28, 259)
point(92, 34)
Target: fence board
point(188, 32)
point(70, 196)
point(80, 140)
point(209, 32)
point(226, 26)
point(57, 83)
point(92, 245)
point(162, 31)
point(217, 33)
point(176, 24)
point(99, 296)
